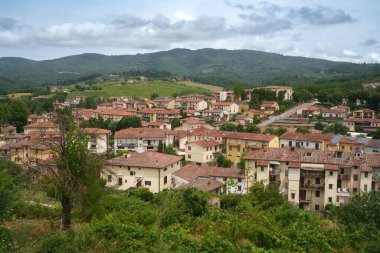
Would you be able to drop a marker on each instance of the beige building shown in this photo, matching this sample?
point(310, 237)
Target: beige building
point(193, 123)
point(139, 139)
point(229, 107)
point(202, 151)
point(191, 104)
point(269, 107)
point(311, 179)
point(167, 103)
point(98, 139)
point(307, 141)
point(151, 170)
point(40, 127)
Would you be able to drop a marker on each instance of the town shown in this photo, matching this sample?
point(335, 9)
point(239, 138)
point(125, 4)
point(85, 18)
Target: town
point(218, 143)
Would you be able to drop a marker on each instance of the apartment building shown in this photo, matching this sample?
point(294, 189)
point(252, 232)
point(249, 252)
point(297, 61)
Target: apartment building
point(229, 107)
point(114, 114)
point(193, 123)
point(191, 104)
point(40, 127)
point(307, 141)
point(202, 151)
point(139, 139)
point(364, 114)
point(216, 115)
point(151, 170)
point(346, 143)
point(98, 139)
point(311, 179)
point(164, 102)
point(334, 113)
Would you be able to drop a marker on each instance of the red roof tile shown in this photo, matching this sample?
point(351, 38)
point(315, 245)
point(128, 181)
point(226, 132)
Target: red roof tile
point(145, 160)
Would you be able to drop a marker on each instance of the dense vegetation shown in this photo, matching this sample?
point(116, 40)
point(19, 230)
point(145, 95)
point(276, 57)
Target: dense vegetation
point(215, 66)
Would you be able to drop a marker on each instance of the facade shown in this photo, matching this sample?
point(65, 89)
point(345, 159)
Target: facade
point(244, 120)
point(151, 170)
point(231, 180)
point(98, 139)
point(33, 118)
point(372, 146)
point(311, 179)
point(368, 124)
point(337, 113)
point(139, 139)
point(193, 123)
point(114, 114)
point(202, 151)
point(306, 141)
point(40, 127)
point(309, 111)
point(237, 144)
point(346, 144)
point(191, 104)
point(216, 115)
point(364, 114)
point(167, 103)
point(269, 107)
point(229, 107)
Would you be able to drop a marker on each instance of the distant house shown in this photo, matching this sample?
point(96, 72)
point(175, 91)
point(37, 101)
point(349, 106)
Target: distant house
point(243, 120)
point(254, 113)
point(368, 124)
point(98, 139)
point(202, 151)
point(193, 123)
point(40, 126)
point(306, 141)
point(160, 125)
point(164, 102)
point(364, 114)
point(33, 118)
point(216, 115)
point(269, 107)
point(334, 113)
point(151, 170)
point(229, 107)
point(192, 104)
point(309, 111)
point(139, 139)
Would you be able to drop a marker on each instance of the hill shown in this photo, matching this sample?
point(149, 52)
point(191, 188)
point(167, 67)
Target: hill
point(213, 66)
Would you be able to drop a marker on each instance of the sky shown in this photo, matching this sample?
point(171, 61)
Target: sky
point(338, 30)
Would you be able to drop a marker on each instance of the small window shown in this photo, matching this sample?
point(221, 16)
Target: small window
point(318, 180)
point(165, 169)
point(165, 180)
point(132, 173)
point(148, 183)
point(239, 180)
point(331, 173)
point(293, 195)
point(330, 186)
point(188, 148)
point(109, 178)
point(239, 188)
point(120, 181)
point(355, 190)
point(189, 156)
point(365, 188)
point(330, 199)
point(262, 168)
point(365, 174)
point(308, 154)
point(356, 177)
point(316, 207)
point(317, 194)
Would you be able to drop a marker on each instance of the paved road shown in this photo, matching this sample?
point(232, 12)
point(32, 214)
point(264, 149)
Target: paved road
point(286, 114)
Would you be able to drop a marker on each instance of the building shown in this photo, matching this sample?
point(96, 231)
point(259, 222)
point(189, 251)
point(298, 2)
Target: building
point(40, 127)
point(104, 106)
point(287, 91)
point(309, 112)
point(204, 177)
point(346, 144)
point(372, 146)
point(364, 114)
point(202, 151)
point(243, 120)
point(237, 144)
point(114, 114)
point(191, 104)
point(306, 141)
point(229, 107)
point(368, 125)
point(98, 139)
point(337, 113)
point(193, 123)
point(7, 129)
point(252, 113)
point(164, 102)
point(159, 115)
point(33, 118)
point(311, 179)
point(139, 139)
point(151, 170)
point(160, 125)
point(269, 107)
point(216, 115)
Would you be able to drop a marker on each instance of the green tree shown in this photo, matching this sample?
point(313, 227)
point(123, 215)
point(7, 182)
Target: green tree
point(252, 128)
point(221, 161)
point(160, 147)
point(228, 127)
point(75, 175)
point(302, 130)
point(18, 114)
point(336, 128)
point(376, 134)
point(176, 122)
point(170, 150)
point(239, 92)
point(280, 131)
point(129, 122)
point(319, 126)
point(270, 131)
point(239, 128)
point(302, 95)
point(153, 96)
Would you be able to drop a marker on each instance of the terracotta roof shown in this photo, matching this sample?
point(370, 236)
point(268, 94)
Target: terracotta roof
point(178, 133)
point(192, 171)
point(249, 136)
point(145, 160)
point(262, 163)
point(306, 137)
point(205, 143)
point(336, 110)
point(294, 165)
point(133, 133)
point(243, 117)
point(331, 167)
point(203, 184)
point(123, 113)
point(373, 143)
point(362, 120)
point(35, 116)
point(213, 110)
point(41, 125)
point(145, 124)
point(105, 104)
point(193, 120)
point(96, 131)
point(221, 104)
point(7, 128)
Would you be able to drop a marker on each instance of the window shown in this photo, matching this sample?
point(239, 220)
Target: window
point(165, 169)
point(318, 180)
point(148, 183)
point(365, 174)
point(188, 148)
point(308, 154)
point(239, 180)
point(355, 190)
point(293, 195)
point(317, 194)
point(316, 207)
point(120, 181)
point(239, 188)
point(286, 173)
point(165, 179)
point(330, 186)
point(132, 173)
point(365, 188)
point(330, 199)
point(331, 173)
point(262, 168)
point(109, 178)
point(189, 156)
point(356, 177)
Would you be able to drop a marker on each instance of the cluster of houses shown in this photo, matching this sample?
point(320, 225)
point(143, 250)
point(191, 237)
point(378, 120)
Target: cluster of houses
point(310, 170)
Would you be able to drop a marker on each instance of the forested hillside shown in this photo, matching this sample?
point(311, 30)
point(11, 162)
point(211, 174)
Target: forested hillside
point(215, 66)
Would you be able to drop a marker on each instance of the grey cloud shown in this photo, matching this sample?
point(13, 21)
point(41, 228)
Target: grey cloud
point(7, 23)
point(321, 15)
point(370, 42)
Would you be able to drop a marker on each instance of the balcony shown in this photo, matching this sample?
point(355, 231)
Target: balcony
point(344, 177)
point(343, 192)
point(312, 174)
point(314, 187)
point(274, 172)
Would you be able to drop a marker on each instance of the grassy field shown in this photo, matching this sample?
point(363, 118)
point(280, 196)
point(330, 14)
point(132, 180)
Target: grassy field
point(145, 88)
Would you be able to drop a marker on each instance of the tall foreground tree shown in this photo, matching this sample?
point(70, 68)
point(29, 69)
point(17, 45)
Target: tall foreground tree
point(75, 172)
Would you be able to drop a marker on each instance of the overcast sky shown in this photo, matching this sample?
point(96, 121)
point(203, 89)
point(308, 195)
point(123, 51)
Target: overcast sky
point(341, 30)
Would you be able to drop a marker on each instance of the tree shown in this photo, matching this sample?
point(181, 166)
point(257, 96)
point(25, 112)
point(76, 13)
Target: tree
point(302, 130)
point(129, 122)
point(18, 114)
point(228, 127)
point(319, 126)
point(221, 161)
point(153, 96)
point(270, 130)
point(169, 150)
point(239, 128)
point(376, 135)
point(336, 128)
point(280, 131)
point(239, 92)
point(176, 122)
point(160, 147)
point(302, 95)
point(252, 128)
point(75, 172)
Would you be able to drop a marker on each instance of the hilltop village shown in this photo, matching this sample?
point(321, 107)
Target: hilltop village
point(221, 143)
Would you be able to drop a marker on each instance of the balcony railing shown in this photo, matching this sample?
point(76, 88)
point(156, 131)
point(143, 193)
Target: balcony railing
point(274, 172)
point(312, 174)
point(316, 187)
